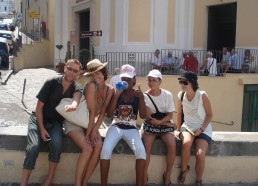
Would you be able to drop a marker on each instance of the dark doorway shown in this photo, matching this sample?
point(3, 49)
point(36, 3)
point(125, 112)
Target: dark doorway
point(85, 26)
point(222, 26)
point(84, 55)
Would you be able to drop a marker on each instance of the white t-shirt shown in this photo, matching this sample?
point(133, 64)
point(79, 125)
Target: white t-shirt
point(156, 60)
point(212, 66)
point(194, 113)
point(164, 102)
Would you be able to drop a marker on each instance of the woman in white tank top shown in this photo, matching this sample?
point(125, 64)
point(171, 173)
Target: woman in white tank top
point(193, 124)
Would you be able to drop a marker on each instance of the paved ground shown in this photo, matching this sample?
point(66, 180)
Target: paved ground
point(23, 85)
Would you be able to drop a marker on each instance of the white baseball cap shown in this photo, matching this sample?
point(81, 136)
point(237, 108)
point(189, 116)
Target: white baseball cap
point(155, 73)
point(127, 71)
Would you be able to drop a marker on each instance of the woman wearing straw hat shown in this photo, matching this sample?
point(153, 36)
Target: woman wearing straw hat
point(97, 95)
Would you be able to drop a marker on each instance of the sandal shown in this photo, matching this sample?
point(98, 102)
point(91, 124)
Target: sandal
point(164, 181)
point(182, 175)
point(198, 183)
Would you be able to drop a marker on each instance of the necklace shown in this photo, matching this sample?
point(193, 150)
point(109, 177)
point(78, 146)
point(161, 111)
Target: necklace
point(102, 95)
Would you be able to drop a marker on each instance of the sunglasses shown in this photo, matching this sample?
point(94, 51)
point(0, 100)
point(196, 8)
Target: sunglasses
point(183, 82)
point(72, 69)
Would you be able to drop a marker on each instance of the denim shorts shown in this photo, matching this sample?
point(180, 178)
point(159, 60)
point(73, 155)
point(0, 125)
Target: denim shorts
point(34, 142)
point(203, 137)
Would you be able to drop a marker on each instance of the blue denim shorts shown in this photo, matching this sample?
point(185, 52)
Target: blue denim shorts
point(203, 137)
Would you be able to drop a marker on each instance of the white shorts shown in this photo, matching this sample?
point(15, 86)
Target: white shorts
point(69, 126)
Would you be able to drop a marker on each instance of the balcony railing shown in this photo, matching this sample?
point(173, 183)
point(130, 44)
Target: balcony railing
point(141, 61)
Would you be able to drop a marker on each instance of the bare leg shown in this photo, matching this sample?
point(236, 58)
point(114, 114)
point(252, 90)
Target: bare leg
point(51, 173)
point(25, 177)
point(94, 159)
point(187, 141)
point(148, 140)
point(201, 148)
point(170, 143)
point(139, 171)
point(186, 147)
point(83, 159)
point(104, 169)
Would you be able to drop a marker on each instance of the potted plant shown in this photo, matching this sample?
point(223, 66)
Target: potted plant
point(68, 51)
point(60, 65)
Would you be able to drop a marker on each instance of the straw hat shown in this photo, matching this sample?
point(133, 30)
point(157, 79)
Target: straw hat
point(94, 66)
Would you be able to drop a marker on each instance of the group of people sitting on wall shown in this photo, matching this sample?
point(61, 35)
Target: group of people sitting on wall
point(232, 62)
point(122, 105)
point(229, 62)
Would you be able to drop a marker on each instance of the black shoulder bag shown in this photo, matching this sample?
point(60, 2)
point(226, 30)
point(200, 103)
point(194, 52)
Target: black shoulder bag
point(156, 129)
point(207, 70)
point(158, 115)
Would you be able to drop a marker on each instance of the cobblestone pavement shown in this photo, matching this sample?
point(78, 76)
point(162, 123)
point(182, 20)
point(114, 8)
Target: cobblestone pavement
point(12, 92)
point(28, 81)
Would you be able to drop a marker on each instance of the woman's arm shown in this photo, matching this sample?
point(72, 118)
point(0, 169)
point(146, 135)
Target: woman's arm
point(208, 117)
point(95, 134)
point(163, 121)
point(179, 114)
point(90, 101)
point(104, 107)
point(208, 110)
point(142, 106)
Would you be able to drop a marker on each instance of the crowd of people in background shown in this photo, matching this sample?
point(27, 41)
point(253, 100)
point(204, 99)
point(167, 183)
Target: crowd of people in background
point(216, 63)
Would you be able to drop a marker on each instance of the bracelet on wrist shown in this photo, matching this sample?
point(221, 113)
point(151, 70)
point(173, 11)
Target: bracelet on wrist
point(202, 129)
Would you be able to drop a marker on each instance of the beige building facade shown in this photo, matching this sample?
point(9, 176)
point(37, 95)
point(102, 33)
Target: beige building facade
point(139, 26)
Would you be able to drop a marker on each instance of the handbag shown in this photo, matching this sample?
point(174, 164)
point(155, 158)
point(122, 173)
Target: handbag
point(78, 117)
point(158, 115)
point(206, 71)
point(156, 129)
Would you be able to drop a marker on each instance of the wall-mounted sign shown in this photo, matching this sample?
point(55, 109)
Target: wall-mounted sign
point(34, 14)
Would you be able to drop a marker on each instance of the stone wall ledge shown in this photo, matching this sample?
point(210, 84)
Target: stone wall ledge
point(222, 144)
point(232, 157)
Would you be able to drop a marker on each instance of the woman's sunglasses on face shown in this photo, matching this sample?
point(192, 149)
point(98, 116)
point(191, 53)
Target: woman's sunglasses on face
point(184, 82)
point(72, 69)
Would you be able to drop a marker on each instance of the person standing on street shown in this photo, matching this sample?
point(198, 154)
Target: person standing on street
point(45, 125)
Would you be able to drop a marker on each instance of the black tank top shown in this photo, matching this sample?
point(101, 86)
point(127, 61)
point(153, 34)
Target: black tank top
point(126, 112)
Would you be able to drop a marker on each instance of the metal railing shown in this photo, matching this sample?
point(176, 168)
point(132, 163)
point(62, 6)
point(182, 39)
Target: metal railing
point(141, 60)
